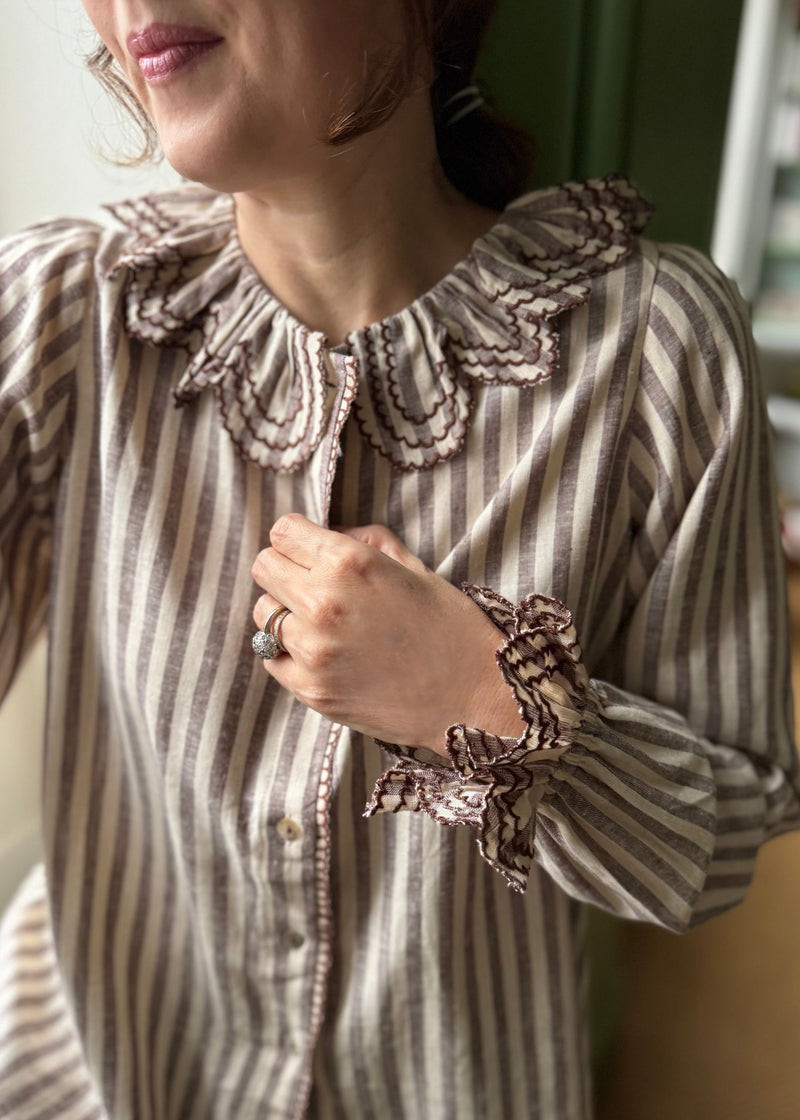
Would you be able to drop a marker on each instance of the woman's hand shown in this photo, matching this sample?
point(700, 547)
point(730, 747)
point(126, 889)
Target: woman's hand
point(375, 640)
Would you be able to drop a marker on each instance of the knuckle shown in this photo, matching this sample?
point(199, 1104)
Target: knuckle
point(379, 533)
point(284, 526)
point(327, 611)
point(351, 561)
point(258, 563)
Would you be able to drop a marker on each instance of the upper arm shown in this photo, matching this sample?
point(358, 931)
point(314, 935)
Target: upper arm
point(706, 627)
point(46, 289)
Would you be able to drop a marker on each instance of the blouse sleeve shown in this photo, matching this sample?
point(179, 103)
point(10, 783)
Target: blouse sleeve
point(45, 281)
point(649, 792)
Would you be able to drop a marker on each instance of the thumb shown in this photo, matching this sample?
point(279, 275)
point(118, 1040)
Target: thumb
point(385, 541)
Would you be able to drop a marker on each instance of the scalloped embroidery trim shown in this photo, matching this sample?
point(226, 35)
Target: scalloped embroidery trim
point(536, 262)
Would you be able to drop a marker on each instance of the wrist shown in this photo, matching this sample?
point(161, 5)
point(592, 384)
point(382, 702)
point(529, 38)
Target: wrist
point(493, 707)
point(487, 705)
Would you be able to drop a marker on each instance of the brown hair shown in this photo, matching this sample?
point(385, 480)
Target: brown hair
point(484, 156)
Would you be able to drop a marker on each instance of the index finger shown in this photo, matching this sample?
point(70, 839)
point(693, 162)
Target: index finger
point(301, 540)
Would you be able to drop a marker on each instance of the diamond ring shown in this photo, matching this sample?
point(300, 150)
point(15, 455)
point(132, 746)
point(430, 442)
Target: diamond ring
point(267, 642)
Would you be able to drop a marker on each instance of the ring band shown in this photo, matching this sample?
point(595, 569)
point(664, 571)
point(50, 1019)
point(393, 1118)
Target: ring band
point(268, 627)
point(276, 628)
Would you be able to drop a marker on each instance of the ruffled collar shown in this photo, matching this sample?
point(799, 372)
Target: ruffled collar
point(492, 319)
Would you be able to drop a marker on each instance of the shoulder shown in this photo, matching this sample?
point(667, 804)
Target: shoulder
point(62, 230)
point(47, 247)
point(46, 255)
point(138, 227)
point(698, 387)
point(59, 269)
point(698, 324)
point(46, 289)
point(47, 277)
point(581, 247)
point(688, 285)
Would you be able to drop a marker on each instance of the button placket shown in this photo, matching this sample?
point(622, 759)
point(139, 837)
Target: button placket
point(344, 374)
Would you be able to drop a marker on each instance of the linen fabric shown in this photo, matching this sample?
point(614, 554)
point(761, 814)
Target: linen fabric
point(570, 422)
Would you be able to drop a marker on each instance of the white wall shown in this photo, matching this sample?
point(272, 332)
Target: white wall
point(56, 119)
point(53, 121)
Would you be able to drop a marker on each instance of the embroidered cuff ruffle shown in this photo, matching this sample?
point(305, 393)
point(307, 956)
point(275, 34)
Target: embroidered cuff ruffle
point(494, 784)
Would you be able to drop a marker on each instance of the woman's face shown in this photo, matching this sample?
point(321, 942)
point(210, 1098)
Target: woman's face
point(240, 89)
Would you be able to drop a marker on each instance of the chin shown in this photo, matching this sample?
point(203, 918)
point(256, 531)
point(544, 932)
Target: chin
point(212, 164)
point(233, 160)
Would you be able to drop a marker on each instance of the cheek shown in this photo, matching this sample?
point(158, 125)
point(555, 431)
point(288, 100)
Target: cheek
point(101, 14)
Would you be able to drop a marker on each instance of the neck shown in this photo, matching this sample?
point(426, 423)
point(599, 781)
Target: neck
point(363, 234)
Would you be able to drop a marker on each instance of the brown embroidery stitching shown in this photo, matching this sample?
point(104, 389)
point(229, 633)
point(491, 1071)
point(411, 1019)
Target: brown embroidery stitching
point(492, 320)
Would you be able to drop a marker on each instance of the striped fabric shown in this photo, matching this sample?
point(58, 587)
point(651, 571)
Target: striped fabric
point(219, 932)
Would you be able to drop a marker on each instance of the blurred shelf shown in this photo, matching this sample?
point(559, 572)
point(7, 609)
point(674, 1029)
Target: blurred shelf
point(783, 252)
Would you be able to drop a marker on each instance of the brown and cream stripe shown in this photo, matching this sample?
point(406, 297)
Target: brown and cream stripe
point(218, 931)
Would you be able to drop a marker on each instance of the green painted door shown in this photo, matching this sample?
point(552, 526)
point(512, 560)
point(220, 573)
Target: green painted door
point(639, 86)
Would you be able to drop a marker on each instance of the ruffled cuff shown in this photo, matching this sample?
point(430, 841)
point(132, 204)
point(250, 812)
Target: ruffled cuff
point(492, 783)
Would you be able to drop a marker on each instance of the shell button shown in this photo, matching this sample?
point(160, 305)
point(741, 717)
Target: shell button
point(288, 830)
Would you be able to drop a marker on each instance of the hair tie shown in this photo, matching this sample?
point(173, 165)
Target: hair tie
point(477, 100)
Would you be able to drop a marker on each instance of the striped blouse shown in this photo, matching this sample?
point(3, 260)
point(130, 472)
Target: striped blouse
point(247, 912)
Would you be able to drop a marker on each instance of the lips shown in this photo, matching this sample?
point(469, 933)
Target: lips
point(164, 48)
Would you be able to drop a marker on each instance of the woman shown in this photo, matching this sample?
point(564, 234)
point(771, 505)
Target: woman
point(528, 400)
